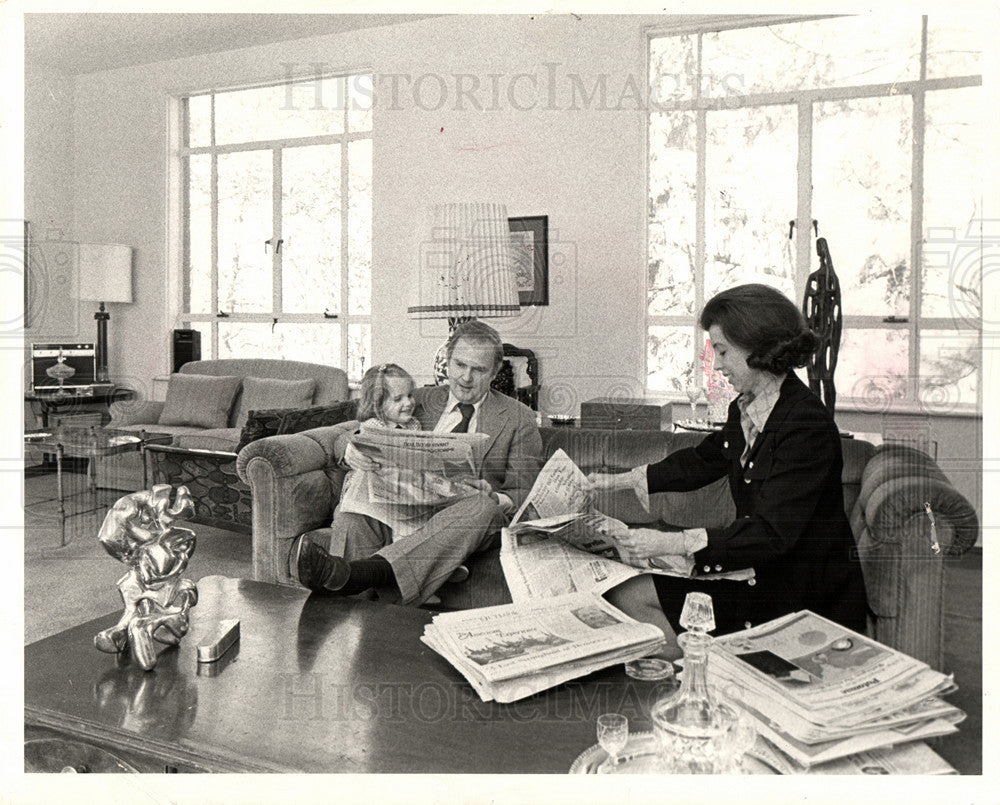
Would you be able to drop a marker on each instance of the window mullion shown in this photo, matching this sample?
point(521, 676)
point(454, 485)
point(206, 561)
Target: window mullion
point(277, 302)
point(699, 237)
point(803, 213)
point(345, 214)
point(916, 238)
point(214, 282)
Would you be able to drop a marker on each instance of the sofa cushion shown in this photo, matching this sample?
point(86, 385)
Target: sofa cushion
point(275, 422)
point(199, 400)
point(222, 440)
point(265, 393)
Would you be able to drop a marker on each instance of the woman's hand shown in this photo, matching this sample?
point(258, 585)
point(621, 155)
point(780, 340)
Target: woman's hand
point(638, 545)
point(612, 480)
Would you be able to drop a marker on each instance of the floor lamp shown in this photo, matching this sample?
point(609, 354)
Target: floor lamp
point(465, 269)
point(105, 276)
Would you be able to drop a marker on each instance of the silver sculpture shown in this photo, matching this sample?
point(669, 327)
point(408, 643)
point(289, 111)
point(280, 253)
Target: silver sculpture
point(139, 532)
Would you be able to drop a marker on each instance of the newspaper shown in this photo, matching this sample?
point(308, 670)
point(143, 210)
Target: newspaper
point(512, 651)
point(540, 559)
point(820, 671)
point(419, 449)
point(569, 546)
point(420, 473)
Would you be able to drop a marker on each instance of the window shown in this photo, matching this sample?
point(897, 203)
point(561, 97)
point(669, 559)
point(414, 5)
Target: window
point(876, 139)
point(277, 220)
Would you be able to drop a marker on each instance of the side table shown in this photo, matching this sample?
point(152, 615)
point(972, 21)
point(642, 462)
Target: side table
point(89, 444)
point(45, 403)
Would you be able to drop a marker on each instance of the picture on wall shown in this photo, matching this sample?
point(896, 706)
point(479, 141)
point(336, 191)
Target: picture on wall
point(530, 255)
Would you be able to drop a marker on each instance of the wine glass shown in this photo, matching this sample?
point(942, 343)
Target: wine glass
point(693, 391)
point(612, 735)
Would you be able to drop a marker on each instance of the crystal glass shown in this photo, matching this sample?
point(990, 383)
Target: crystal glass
point(612, 735)
point(693, 392)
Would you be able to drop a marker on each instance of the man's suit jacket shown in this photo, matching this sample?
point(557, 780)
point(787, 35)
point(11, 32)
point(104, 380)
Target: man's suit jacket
point(790, 522)
point(511, 458)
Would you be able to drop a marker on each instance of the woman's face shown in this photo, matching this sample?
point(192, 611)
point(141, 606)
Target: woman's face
point(731, 360)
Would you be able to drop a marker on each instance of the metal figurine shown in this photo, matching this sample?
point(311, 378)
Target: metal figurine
point(822, 311)
point(139, 532)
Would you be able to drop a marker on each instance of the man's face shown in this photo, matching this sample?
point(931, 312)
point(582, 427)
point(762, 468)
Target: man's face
point(470, 370)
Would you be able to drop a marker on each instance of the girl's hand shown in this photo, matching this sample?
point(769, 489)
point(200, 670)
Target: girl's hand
point(637, 545)
point(357, 460)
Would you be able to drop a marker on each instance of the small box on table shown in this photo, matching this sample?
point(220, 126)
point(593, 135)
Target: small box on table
point(627, 413)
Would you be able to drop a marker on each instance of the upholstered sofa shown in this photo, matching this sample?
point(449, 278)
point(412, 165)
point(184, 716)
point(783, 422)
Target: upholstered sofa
point(207, 409)
point(295, 485)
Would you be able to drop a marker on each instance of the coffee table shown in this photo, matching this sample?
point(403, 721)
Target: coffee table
point(90, 444)
point(316, 684)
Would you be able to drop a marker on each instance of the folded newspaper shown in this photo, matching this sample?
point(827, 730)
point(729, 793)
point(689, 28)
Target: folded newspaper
point(819, 692)
point(513, 651)
point(419, 473)
point(559, 543)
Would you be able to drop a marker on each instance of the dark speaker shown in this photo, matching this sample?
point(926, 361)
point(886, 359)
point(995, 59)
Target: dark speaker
point(186, 347)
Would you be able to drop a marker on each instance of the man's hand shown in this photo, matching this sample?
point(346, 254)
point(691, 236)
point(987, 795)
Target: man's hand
point(357, 460)
point(638, 545)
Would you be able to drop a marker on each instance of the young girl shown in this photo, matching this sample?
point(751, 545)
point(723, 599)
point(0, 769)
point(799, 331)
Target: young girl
point(387, 398)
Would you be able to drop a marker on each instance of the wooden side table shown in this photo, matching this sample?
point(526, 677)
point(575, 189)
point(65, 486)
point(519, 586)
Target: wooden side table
point(44, 403)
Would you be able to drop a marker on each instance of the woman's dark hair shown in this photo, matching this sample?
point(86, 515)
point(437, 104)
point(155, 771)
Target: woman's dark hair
point(764, 322)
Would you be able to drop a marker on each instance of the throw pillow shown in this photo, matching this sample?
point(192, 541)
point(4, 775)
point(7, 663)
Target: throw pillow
point(267, 393)
point(199, 400)
point(275, 422)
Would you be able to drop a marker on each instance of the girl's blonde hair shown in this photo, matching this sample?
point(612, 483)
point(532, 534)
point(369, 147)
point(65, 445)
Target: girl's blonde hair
point(374, 389)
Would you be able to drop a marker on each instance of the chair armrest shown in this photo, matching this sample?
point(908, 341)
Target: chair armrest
point(896, 483)
point(295, 485)
point(132, 412)
point(293, 453)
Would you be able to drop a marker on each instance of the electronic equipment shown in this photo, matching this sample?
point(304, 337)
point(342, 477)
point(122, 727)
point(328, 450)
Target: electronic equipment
point(186, 348)
point(73, 364)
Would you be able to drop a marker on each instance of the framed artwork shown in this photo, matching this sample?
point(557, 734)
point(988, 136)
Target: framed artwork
point(530, 255)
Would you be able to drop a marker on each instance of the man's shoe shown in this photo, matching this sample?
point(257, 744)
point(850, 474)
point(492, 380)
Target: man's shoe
point(317, 569)
point(458, 575)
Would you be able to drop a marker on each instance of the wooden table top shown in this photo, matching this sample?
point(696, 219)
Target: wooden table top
point(316, 684)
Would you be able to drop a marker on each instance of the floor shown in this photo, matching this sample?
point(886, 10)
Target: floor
point(64, 586)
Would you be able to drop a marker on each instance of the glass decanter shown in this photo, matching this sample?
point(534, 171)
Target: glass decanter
point(693, 730)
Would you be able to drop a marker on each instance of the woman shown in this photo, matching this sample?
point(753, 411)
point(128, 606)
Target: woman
point(781, 451)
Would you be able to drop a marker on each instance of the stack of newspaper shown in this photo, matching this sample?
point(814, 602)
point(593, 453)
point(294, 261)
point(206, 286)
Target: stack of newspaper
point(819, 692)
point(512, 651)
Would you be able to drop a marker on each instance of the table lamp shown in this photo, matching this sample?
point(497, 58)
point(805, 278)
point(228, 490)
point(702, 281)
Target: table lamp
point(105, 276)
point(465, 268)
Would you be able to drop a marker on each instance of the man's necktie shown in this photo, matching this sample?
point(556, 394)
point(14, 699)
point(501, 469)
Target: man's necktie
point(467, 409)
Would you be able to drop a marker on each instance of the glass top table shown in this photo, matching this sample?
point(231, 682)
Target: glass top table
point(90, 444)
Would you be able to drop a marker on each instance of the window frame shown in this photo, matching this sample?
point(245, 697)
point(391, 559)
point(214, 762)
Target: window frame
point(804, 256)
point(344, 318)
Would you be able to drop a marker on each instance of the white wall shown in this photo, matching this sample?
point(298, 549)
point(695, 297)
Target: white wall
point(583, 167)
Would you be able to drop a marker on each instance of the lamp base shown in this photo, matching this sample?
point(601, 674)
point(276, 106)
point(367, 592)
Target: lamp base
point(101, 353)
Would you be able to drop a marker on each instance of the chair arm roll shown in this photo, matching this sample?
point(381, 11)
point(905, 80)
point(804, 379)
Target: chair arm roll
point(895, 486)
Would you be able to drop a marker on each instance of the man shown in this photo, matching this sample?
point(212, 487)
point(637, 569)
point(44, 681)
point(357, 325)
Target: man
point(362, 554)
